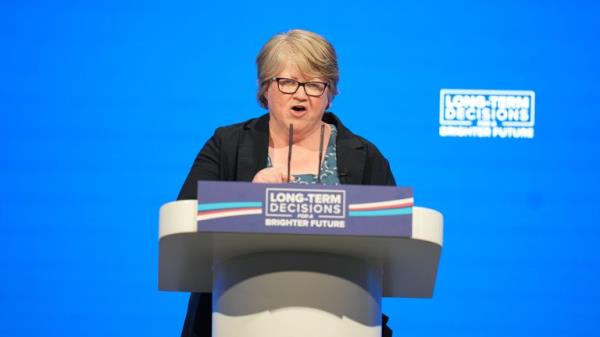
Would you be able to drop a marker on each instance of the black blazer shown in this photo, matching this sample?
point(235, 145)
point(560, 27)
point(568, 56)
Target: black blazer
point(237, 152)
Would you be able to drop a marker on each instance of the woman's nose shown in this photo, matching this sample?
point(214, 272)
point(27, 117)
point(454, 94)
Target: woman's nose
point(301, 92)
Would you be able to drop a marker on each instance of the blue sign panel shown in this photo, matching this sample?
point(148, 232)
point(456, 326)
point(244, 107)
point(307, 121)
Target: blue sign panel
point(304, 209)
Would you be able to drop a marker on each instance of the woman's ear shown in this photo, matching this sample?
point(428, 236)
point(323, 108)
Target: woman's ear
point(266, 95)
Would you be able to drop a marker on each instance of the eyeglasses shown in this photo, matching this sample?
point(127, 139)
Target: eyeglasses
point(290, 86)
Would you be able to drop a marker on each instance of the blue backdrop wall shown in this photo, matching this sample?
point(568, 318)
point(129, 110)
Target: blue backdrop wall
point(104, 105)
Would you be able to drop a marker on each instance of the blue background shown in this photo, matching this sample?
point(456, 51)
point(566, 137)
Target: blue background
point(104, 106)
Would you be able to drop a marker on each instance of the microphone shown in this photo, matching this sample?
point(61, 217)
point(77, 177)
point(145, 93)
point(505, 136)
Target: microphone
point(290, 143)
point(320, 153)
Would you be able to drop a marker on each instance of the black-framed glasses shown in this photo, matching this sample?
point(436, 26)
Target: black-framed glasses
point(290, 86)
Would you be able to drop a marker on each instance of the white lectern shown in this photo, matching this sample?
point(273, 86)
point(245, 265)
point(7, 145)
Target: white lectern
point(275, 285)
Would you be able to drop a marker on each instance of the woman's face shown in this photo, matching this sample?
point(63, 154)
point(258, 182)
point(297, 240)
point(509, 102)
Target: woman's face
point(304, 111)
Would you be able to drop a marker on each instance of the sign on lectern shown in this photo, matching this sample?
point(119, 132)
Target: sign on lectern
point(346, 210)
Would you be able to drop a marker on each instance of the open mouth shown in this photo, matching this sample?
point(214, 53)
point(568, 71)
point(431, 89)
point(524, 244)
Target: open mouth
point(298, 108)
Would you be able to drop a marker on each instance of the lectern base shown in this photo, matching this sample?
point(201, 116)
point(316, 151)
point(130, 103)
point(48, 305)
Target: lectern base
point(296, 294)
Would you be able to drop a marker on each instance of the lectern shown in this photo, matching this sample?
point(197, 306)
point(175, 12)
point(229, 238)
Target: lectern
point(299, 260)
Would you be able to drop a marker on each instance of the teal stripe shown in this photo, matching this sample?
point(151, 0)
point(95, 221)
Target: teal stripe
point(225, 205)
point(382, 212)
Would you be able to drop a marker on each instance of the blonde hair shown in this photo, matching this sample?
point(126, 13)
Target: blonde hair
point(310, 52)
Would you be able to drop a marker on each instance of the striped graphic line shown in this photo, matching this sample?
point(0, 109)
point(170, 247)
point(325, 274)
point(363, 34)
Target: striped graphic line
point(398, 203)
point(228, 205)
point(227, 213)
point(382, 212)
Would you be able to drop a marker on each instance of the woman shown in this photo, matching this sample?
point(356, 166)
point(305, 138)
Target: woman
point(297, 141)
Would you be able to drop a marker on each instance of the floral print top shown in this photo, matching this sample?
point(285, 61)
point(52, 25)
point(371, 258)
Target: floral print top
point(329, 172)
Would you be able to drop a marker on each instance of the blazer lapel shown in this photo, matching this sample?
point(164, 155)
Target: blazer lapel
point(350, 152)
point(253, 148)
point(351, 156)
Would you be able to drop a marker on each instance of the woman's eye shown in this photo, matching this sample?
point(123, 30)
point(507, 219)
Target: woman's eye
point(287, 82)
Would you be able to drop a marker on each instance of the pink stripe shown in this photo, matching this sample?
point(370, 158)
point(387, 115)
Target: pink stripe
point(225, 211)
point(372, 208)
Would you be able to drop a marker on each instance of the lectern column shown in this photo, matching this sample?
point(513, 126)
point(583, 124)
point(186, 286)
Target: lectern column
point(291, 294)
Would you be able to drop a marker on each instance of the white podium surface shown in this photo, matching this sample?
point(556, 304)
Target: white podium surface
point(296, 285)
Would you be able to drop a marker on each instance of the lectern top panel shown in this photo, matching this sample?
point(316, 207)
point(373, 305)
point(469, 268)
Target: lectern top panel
point(239, 207)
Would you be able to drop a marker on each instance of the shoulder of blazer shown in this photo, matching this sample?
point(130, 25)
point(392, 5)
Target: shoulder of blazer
point(231, 132)
point(244, 148)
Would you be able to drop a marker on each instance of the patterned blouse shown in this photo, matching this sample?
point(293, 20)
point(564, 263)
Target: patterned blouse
point(329, 172)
